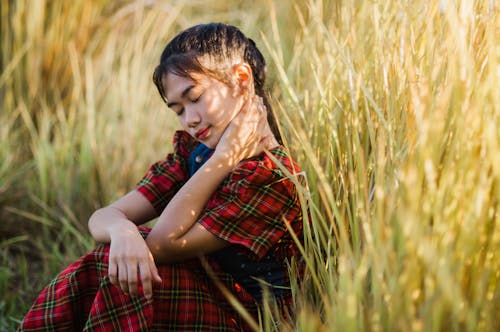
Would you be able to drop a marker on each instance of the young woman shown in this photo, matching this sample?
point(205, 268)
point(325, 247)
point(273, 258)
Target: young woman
point(221, 198)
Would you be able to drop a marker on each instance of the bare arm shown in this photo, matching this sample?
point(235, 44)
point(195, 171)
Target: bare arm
point(176, 235)
point(128, 253)
point(130, 210)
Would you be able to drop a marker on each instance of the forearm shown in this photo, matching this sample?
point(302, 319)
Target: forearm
point(129, 256)
point(174, 234)
point(121, 217)
point(184, 209)
point(108, 221)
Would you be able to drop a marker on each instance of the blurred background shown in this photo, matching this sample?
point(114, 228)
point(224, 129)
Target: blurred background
point(391, 107)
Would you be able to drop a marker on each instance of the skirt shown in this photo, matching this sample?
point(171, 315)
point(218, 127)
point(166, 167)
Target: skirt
point(81, 298)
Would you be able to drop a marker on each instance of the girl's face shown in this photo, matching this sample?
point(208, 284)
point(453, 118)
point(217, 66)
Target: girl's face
point(204, 105)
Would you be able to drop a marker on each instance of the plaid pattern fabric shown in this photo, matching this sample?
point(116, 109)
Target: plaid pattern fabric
point(249, 210)
point(81, 298)
point(252, 205)
point(166, 177)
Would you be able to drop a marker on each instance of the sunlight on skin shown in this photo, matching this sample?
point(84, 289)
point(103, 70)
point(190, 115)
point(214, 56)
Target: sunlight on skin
point(229, 161)
point(172, 235)
point(225, 116)
point(216, 109)
point(175, 240)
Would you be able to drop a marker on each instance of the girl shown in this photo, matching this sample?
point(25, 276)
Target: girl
point(220, 196)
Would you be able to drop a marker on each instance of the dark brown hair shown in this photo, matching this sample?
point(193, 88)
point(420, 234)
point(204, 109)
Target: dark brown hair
point(221, 46)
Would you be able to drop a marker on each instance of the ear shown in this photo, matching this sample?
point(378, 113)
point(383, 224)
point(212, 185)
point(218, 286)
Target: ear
point(242, 74)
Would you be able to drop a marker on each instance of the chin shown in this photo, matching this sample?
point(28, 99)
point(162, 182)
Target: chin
point(210, 143)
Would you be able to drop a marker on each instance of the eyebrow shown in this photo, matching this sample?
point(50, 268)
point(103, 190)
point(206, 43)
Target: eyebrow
point(183, 94)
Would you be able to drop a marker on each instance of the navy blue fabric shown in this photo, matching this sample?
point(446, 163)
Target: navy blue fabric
point(198, 157)
point(248, 272)
point(244, 270)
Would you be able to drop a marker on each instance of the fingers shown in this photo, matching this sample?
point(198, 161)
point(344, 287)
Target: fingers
point(130, 264)
point(261, 120)
point(132, 278)
point(261, 114)
point(123, 276)
point(241, 138)
point(117, 273)
point(261, 107)
point(257, 104)
point(145, 273)
point(246, 103)
point(153, 269)
point(254, 115)
point(148, 273)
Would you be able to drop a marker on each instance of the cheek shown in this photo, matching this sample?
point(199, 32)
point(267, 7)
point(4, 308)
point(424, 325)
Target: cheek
point(221, 105)
point(221, 112)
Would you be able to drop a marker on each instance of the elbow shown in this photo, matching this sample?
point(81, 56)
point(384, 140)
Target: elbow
point(91, 224)
point(99, 223)
point(159, 247)
point(155, 246)
point(164, 249)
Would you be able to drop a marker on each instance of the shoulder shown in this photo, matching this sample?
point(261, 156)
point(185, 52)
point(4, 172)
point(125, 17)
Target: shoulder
point(274, 168)
point(276, 161)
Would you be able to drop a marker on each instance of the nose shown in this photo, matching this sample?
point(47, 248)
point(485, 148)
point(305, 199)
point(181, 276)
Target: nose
point(192, 117)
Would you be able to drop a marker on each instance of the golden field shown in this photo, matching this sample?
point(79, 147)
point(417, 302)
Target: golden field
point(391, 107)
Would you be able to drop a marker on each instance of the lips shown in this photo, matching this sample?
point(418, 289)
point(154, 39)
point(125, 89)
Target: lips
point(202, 133)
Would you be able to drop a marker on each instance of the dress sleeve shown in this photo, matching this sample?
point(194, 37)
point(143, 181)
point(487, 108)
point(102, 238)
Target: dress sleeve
point(251, 207)
point(165, 177)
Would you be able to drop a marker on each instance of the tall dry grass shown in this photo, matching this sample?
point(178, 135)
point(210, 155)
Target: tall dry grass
point(391, 108)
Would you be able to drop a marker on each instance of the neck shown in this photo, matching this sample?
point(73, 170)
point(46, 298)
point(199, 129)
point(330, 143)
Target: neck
point(269, 142)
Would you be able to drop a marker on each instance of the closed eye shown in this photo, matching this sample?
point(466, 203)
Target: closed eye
point(177, 109)
point(179, 112)
point(197, 99)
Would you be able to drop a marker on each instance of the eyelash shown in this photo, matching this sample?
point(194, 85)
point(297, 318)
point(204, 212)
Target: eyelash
point(194, 101)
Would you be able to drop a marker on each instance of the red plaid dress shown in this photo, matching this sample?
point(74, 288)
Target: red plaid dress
point(248, 210)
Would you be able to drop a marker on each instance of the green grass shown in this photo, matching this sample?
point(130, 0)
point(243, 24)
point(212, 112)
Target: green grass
point(391, 109)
